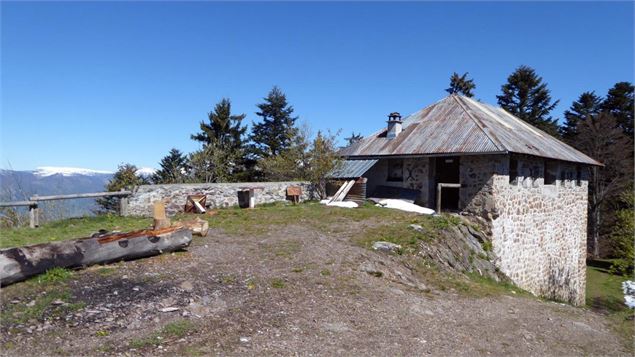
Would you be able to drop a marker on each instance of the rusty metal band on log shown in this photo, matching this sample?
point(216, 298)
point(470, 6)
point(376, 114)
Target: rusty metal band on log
point(20, 263)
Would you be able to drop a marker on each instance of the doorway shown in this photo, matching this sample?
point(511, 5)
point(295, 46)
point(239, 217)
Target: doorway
point(447, 170)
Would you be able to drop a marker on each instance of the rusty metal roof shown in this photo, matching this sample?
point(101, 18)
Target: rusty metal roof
point(352, 169)
point(460, 125)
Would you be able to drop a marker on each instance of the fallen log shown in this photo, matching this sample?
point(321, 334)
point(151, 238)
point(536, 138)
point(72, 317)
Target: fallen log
point(20, 263)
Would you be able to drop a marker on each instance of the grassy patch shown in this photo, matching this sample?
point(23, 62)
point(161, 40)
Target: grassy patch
point(68, 229)
point(55, 275)
point(277, 283)
point(325, 272)
point(398, 231)
point(173, 330)
point(604, 295)
point(258, 220)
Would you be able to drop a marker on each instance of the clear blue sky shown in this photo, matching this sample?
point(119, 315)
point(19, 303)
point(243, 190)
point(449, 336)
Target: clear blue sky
point(96, 84)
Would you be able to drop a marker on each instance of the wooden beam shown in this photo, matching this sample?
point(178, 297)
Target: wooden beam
point(17, 203)
point(80, 195)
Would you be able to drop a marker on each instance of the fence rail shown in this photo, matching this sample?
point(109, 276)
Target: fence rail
point(34, 210)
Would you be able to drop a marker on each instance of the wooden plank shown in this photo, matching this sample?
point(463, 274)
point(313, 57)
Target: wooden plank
point(347, 187)
point(17, 264)
point(337, 193)
point(80, 195)
point(17, 203)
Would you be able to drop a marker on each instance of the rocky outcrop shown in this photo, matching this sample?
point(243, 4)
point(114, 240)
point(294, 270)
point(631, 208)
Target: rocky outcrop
point(463, 247)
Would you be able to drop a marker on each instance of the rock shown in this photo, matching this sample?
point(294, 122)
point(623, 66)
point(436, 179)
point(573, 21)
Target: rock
point(386, 247)
point(169, 309)
point(58, 302)
point(370, 268)
point(245, 339)
point(30, 303)
point(187, 286)
point(417, 227)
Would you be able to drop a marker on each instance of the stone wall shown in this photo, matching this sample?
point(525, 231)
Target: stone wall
point(219, 195)
point(415, 176)
point(538, 230)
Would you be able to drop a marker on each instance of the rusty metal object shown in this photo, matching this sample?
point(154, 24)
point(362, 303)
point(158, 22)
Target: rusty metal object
point(459, 125)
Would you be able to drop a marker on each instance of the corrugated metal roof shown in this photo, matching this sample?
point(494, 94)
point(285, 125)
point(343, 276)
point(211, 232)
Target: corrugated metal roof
point(352, 168)
point(460, 125)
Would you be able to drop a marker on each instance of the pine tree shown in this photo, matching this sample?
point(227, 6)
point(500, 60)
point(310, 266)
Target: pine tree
point(619, 102)
point(354, 138)
point(527, 97)
point(125, 177)
point(222, 157)
point(277, 129)
point(587, 104)
point(173, 168)
point(600, 137)
point(461, 85)
point(223, 128)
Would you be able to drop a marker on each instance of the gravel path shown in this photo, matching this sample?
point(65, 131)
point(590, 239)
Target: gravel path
point(294, 291)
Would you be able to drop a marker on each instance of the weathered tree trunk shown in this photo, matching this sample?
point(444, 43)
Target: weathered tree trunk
point(19, 263)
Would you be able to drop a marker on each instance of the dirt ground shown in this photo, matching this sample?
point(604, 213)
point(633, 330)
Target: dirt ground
point(292, 290)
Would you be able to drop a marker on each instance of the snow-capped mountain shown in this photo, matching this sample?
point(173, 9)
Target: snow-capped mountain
point(51, 180)
point(67, 171)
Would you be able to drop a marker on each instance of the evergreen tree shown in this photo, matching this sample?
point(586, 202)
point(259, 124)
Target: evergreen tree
point(619, 102)
point(222, 157)
point(600, 137)
point(527, 97)
point(277, 129)
point(587, 104)
point(354, 138)
point(461, 85)
point(125, 177)
point(173, 168)
point(222, 129)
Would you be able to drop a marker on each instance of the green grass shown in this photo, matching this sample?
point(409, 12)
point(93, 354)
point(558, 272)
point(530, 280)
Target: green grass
point(277, 283)
point(68, 229)
point(398, 231)
point(37, 296)
point(604, 295)
point(238, 221)
point(173, 330)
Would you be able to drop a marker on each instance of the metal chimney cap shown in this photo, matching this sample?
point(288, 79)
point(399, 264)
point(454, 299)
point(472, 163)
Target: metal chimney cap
point(394, 116)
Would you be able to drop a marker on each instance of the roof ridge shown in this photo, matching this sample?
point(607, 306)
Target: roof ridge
point(480, 125)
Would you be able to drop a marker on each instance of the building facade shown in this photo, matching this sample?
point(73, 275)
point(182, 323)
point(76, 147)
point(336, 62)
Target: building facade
point(529, 186)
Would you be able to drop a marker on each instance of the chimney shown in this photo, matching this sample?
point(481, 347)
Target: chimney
point(394, 125)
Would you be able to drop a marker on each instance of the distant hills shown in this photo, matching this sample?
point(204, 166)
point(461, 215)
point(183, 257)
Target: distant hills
point(20, 185)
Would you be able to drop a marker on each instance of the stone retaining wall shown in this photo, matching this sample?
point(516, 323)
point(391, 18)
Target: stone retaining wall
point(538, 230)
point(219, 195)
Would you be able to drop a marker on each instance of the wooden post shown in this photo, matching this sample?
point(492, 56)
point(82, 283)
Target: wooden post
point(123, 205)
point(32, 209)
point(439, 187)
point(36, 213)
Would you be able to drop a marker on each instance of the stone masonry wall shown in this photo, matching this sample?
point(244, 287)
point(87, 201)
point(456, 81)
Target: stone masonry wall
point(538, 230)
point(219, 195)
point(415, 176)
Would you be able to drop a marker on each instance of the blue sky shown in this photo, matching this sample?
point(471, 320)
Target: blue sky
point(96, 84)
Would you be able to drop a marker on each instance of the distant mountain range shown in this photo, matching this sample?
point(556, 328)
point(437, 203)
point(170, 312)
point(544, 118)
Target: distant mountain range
point(20, 185)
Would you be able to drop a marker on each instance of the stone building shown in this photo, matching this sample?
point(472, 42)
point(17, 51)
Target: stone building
point(531, 187)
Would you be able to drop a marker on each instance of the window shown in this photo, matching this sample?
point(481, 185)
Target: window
point(513, 171)
point(551, 172)
point(395, 170)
